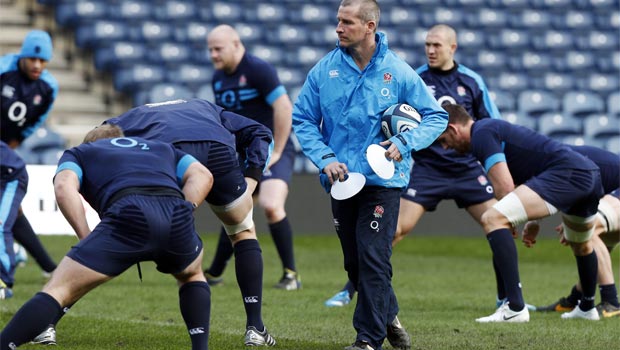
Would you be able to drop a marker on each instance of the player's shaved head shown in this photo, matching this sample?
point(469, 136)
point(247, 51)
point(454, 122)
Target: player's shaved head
point(105, 131)
point(224, 31)
point(440, 46)
point(225, 48)
point(445, 31)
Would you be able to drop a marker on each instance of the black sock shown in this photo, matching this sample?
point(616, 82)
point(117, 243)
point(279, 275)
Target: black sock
point(501, 292)
point(282, 235)
point(587, 266)
point(609, 294)
point(505, 256)
point(24, 235)
point(249, 269)
point(195, 304)
point(30, 320)
point(223, 252)
point(574, 296)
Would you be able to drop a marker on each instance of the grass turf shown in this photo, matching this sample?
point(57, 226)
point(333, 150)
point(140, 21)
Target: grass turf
point(443, 284)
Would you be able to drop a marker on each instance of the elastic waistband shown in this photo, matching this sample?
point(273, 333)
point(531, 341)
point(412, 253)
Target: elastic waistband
point(144, 191)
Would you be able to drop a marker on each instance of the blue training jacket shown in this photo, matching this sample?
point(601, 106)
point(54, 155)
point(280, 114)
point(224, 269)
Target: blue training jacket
point(338, 112)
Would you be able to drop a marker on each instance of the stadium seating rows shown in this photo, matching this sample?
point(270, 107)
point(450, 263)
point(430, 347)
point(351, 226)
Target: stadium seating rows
point(542, 58)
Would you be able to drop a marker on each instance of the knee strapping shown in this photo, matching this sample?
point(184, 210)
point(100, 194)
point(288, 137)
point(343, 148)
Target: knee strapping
point(245, 224)
point(578, 236)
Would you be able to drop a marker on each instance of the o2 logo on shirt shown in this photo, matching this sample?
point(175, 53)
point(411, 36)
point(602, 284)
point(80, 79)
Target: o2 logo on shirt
point(126, 142)
point(17, 113)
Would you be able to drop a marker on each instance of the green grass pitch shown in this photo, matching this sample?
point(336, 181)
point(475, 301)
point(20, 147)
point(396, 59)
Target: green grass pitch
point(443, 284)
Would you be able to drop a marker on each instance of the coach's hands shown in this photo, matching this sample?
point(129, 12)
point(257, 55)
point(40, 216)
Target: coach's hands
point(335, 171)
point(392, 152)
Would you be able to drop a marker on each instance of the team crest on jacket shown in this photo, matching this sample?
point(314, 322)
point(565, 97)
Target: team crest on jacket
point(8, 91)
point(243, 81)
point(387, 78)
point(483, 180)
point(37, 100)
point(461, 90)
point(378, 211)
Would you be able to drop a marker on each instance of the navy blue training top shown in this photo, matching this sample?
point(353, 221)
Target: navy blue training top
point(107, 166)
point(526, 152)
point(608, 162)
point(198, 120)
point(250, 90)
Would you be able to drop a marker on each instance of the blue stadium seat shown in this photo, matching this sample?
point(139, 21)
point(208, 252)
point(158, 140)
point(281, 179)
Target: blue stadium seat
point(191, 75)
point(400, 16)
point(522, 119)
point(613, 104)
point(304, 56)
point(151, 31)
point(613, 145)
point(573, 20)
point(504, 100)
point(557, 82)
point(488, 59)
point(224, 11)
point(509, 4)
point(573, 61)
point(487, 18)
point(287, 34)
point(176, 11)
point(607, 19)
point(452, 17)
point(472, 39)
point(597, 4)
point(556, 124)
point(581, 103)
point(551, 4)
point(70, 14)
point(41, 139)
point(169, 53)
point(166, 92)
point(464, 3)
point(100, 32)
point(118, 54)
point(323, 36)
point(290, 77)
point(137, 76)
point(205, 92)
point(603, 83)
point(530, 61)
point(512, 81)
point(533, 103)
point(314, 14)
point(132, 10)
point(415, 39)
point(601, 126)
point(579, 140)
point(509, 39)
point(609, 62)
point(273, 54)
point(265, 13)
point(192, 31)
point(50, 156)
point(529, 19)
point(552, 40)
point(251, 32)
point(598, 40)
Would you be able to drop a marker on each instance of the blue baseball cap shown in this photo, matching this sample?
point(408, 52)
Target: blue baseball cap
point(37, 44)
